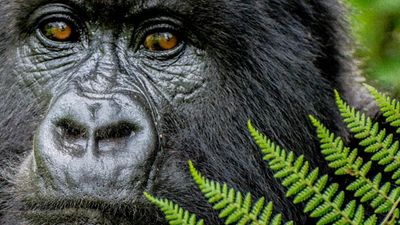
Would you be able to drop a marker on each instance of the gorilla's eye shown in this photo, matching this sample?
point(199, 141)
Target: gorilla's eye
point(161, 41)
point(61, 31)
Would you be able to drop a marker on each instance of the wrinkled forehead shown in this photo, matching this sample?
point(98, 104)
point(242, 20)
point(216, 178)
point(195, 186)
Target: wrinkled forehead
point(117, 8)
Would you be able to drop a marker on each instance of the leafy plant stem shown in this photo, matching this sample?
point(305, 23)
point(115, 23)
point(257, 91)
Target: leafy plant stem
point(390, 217)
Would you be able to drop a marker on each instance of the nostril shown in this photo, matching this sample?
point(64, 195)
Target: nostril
point(115, 131)
point(71, 129)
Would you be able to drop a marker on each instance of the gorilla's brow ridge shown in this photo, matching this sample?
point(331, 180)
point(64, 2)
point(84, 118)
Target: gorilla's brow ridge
point(118, 7)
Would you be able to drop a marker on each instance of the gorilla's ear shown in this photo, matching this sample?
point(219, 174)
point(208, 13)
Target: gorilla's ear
point(337, 62)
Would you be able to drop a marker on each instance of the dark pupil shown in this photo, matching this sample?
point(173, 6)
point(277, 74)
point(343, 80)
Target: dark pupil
point(156, 42)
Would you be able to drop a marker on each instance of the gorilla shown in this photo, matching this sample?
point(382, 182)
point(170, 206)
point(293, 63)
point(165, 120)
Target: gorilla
point(102, 100)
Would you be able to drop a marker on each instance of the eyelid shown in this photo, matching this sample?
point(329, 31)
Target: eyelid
point(48, 11)
point(54, 13)
point(58, 17)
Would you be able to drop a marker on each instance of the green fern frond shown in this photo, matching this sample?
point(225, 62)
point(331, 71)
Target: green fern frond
point(382, 145)
point(173, 212)
point(381, 198)
point(232, 206)
point(388, 106)
point(322, 200)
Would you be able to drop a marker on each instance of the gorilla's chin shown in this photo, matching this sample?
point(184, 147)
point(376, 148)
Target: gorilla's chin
point(88, 217)
point(67, 216)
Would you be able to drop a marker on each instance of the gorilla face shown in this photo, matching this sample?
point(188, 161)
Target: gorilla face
point(104, 99)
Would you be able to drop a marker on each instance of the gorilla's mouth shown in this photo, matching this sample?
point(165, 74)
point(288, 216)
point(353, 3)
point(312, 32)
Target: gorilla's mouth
point(83, 211)
point(51, 205)
point(74, 216)
point(47, 206)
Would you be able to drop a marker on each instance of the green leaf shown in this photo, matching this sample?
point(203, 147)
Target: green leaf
point(233, 208)
point(173, 212)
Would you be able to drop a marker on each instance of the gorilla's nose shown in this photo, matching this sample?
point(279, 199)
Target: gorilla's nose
point(95, 144)
point(77, 137)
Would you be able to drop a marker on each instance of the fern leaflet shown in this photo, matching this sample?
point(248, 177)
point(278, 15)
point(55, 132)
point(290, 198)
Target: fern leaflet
point(388, 106)
point(385, 149)
point(322, 201)
point(234, 208)
point(347, 162)
point(173, 213)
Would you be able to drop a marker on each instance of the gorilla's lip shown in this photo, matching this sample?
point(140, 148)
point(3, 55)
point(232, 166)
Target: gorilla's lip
point(60, 204)
point(71, 215)
point(76, 211)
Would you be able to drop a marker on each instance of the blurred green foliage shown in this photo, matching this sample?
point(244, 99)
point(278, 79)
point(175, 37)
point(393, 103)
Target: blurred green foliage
point(376, 26)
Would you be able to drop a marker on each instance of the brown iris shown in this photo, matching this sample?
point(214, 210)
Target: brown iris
point(161, 41)
point(58, 31)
